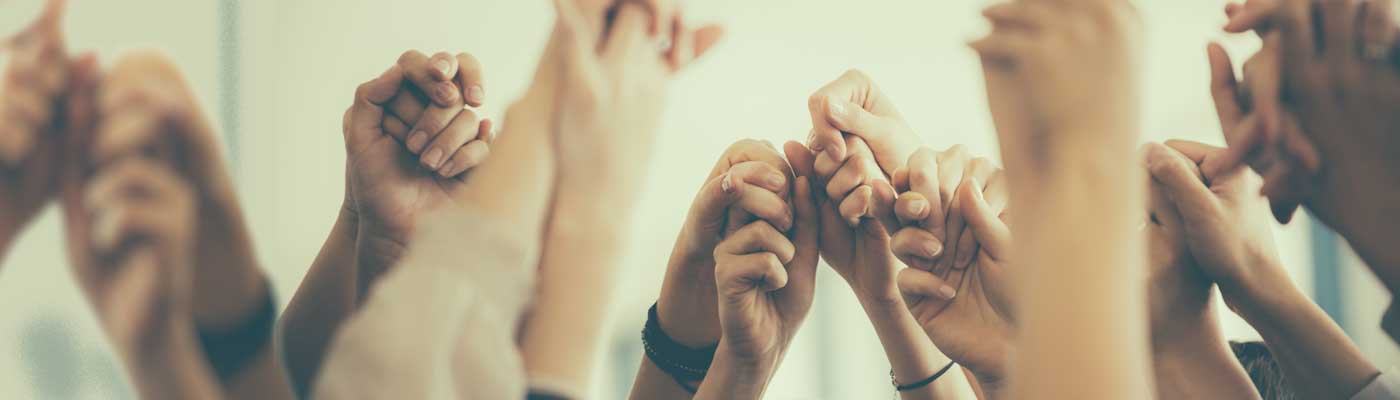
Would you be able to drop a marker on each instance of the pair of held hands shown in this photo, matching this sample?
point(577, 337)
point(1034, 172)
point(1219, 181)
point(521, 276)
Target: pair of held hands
point(142, 185)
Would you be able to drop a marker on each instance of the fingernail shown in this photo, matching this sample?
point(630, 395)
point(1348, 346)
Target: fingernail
point(726, 185)
point(932, 249)
point(476, 94)
point(917, 207)
point(446, 170)
point(773, 182)
point(446, 92)
point(947, 292)
point(836, 108)
point(433, 159)
point(416, 141)
point(444, 67)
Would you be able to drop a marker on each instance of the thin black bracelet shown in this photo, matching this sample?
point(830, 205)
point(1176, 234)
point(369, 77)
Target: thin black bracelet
point(230, 351)
point(683, 364)
point(904, 388)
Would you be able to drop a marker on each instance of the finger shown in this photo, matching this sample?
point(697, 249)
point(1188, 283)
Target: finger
point(916, 247)
point(1197, 152)
point(924, 179)
point(1186, 188)
point(1265, 84)
point(469, 78)
point(1339, 27)
point(911, 208)
point(408, 105)
point(758, 237)
point(467, 157)
point(683, 42)
point(801, 159)
point(1283, 194)
point(127, 133)
point(996, 194)
point(1296, 28)
point(857, 171)
point(952, 165)
point(1004, 45)
point(1378, 31)
point(432, 76)
point(857, 205)
point(882, 206)
point(396, 128)
point(705, 39)
point(740, 274)
point(364, 119)
point(1224, 88)
point(991, 234)
point(1255, 15)
point(463, 128)
point(628, 35)
point(802, 270)
point(1248, 142)
point(432, 124)
point(136, 198)
point(1019, 15)
point(762, 204)
point(825, 140)
point(924, 284)
point(1299, 149)
point(851, 118)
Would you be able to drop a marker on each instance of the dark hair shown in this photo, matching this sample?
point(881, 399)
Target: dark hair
point(1259, 363)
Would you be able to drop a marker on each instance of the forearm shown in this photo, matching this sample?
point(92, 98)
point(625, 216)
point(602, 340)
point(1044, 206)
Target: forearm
point(1086, 288)
point(652, 383)
point(1315, 355)
point(735, 378)
point(578, 271)
point(326, 297)
point(175, 369)
point(912, 356)
point(516, 182)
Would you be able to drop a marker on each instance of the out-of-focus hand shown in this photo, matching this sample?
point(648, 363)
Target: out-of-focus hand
point(853, 104)
point(766, 281)
point(750, 182)
point(1226, 224)
point(1040, 57)
point(964, 308)
point(30, 136)
point(613, 93)
point(427, 114)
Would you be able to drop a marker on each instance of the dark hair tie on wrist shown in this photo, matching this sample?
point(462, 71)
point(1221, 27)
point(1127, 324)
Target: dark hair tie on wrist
point(230, 351)
point(916, 385)
point(683, 364)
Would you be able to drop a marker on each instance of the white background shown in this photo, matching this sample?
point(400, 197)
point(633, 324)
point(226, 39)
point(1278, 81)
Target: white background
point(300, 61)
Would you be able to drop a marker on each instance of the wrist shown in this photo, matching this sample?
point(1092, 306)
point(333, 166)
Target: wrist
point(687, 322)
point(737, 376)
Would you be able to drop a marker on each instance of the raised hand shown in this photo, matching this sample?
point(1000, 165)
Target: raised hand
point(428, 116)
point(388, 187)
point(30, 133)
point(766, 281)
point(855, 213)
point(964, 308)
point(853, 104)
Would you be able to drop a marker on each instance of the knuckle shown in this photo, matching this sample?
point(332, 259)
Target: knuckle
point(409, 56)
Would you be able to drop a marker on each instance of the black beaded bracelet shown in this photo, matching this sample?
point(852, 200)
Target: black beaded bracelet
point(684, 364)
point(230, 351)
point(904, 388)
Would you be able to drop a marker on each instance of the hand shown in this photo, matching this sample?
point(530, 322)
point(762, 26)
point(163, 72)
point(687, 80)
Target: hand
point(855, 211)
point(1224, 218)
point(388, 188)
point(131, 234)
point(1039, 58)
point(766, 282)
point(854, 104)
point(966, 311)
point(749, 183)
point(612, 97)
point(30, 139)
point(429, 103)
point(147, 109)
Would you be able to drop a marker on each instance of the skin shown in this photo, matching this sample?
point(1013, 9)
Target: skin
point(387, 192)
point(143, 108)
point(609, 98)
point(1064, 168)
point(853, 104)
point(766, 280)
point(35, 79)
point(1226, 227)
point(748, 183)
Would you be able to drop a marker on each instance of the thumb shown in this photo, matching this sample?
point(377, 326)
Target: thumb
point(991, 233)
point(852, 118)
point(364, 119)
point(710, 209)
point(802, 271)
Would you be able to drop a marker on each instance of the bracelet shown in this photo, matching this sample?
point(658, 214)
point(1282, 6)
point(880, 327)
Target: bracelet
point(904, 388)
point(230, 351)
point(683, 364)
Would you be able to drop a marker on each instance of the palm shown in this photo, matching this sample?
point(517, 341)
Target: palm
point(390, 186)
point(759, 322)
point(869, 271)
point(974, 328)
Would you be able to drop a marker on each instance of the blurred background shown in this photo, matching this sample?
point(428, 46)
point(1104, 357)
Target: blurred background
point(276, 76)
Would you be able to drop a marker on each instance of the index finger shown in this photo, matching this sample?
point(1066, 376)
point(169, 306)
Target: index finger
point(432, 76)
point(469, 79)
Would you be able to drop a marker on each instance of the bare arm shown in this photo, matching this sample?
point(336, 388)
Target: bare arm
point(326, 297)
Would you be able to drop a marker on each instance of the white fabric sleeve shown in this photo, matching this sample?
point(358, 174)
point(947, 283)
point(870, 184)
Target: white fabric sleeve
point(1386, 386)
point(441, 324)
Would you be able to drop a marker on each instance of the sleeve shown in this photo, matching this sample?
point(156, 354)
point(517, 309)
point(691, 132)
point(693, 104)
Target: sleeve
point(1386, 386)
point(441, 324)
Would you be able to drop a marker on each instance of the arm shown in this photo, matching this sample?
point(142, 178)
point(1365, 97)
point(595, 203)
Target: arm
point(326, 297)
point(912, 355)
